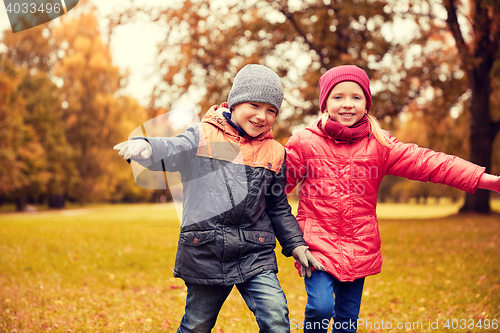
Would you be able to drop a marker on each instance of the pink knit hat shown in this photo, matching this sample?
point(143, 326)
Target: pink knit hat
point(339, 74)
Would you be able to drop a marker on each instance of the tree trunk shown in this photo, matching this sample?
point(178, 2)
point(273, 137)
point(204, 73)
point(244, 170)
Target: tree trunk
point(477, 60)
point(481, 136)
point(21, 203)
point(56, 200)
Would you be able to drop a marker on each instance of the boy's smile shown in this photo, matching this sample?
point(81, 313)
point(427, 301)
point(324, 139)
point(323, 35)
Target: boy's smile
point(346, 103)
point(253, 117)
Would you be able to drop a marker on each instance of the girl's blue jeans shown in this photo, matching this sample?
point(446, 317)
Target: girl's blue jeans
point(328, 298)
point(262, 294)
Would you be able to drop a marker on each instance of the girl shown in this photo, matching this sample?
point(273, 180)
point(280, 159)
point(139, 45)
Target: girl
point(341, 160)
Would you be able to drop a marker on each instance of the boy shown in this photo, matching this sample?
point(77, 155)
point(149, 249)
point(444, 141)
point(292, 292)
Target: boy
point(234, 205)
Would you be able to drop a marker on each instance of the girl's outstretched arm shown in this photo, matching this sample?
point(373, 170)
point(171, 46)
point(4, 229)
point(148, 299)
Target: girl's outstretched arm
point(425, 165)
point(489, 182)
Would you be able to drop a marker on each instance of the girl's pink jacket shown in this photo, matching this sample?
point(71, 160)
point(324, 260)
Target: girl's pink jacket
point(338, 194)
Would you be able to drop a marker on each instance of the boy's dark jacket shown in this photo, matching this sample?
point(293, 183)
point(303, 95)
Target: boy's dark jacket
point(234, 204)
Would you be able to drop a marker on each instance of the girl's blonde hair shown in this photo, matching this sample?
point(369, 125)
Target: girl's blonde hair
point(375, 128)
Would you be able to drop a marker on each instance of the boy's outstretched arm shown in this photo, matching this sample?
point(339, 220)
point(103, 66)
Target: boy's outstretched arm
point(489, 182)
point(162, 153)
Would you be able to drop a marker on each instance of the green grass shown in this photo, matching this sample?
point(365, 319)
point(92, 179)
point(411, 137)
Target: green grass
point(109, 269)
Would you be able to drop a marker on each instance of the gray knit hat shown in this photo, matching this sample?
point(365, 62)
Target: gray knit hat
point(256, 83)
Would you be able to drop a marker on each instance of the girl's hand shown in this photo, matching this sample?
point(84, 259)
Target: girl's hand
point(489, 182)
point(134, 149)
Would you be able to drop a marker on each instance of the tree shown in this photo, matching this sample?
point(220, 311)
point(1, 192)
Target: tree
point(36, 159)
point(455, 58)
point(44, 114)
point(58, 138)
point(206, 43)
point(98, 116)
point(45, 159)
point(478, 49)
point(12, 130)
point(31, 48)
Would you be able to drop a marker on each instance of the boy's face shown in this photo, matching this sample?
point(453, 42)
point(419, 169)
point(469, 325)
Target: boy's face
point(253, 117)
point(346, 103)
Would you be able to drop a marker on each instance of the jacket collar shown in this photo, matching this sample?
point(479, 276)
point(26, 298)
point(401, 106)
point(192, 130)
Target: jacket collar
point(315, 129)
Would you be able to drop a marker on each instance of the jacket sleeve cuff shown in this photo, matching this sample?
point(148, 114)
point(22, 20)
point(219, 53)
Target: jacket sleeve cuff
point(292, 244)
point(475, 178)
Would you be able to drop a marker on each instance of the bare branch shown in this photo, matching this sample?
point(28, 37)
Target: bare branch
point(299, 31)
point(452, 21)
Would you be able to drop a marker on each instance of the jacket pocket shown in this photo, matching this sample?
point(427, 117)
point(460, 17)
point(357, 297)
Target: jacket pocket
point(260, 237)
point(196, 238)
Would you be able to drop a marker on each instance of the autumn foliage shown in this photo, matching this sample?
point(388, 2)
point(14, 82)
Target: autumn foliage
point(421, 61)
point(434, 68)
point(62, 111)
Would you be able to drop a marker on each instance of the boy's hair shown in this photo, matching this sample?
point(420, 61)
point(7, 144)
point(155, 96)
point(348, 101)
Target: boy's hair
point(355, 74)
point(256, 83)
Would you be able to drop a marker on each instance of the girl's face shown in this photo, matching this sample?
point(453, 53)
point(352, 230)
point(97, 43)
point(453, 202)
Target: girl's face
point(253, 117)
point(346, 103)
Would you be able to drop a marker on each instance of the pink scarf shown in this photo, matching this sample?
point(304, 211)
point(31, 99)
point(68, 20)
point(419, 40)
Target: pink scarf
point(343, 133)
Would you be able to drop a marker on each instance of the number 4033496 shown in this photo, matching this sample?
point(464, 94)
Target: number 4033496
point(471, 324)
point(33, 8)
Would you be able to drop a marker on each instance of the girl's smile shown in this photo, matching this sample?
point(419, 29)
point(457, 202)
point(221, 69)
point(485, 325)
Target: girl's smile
point(346, 103)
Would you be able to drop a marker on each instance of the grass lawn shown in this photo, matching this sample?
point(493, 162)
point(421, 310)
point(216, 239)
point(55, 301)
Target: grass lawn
point(109, 269)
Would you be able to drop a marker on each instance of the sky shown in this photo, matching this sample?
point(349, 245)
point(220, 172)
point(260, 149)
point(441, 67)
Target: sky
point(133, 46)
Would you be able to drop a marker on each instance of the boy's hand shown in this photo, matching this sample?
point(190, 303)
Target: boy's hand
point(134, 149)
point(306, 259)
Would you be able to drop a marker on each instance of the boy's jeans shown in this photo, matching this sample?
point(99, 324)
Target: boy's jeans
point(262, 293)
point(322, 306)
